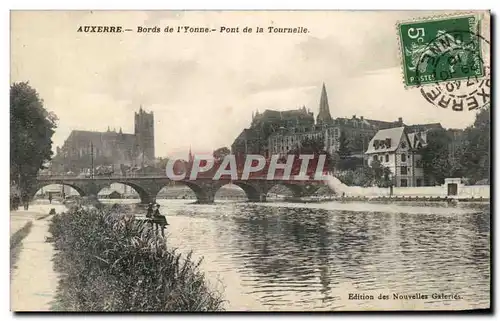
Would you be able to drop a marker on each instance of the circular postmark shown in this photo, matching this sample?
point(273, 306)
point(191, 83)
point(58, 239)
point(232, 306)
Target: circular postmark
point(460, 76)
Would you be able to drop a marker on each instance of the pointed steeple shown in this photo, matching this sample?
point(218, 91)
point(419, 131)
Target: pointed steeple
point(121, 131)
point(324, 116)
point(190, 155)
point(108, 129)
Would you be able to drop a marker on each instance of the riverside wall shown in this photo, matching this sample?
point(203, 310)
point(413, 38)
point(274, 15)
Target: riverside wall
point(442, 191)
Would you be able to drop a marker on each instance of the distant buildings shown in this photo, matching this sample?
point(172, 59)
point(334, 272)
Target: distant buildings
point(82, 148)
point(254, 140)
point(278, 132)
point(109, 193)
point(396, 145)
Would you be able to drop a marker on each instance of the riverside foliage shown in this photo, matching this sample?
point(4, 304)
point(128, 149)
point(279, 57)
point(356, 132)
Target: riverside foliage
point(109, 262)
point(31, 130)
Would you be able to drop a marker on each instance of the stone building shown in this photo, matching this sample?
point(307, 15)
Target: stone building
point(275, 132)
point(254, 140)
point(287, 139)
point(324, 117)
point(399, 150)
point(357, 130)
point(82, 148)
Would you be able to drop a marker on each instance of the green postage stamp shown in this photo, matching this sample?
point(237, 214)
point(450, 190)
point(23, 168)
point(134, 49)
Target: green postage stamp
point(441, 49)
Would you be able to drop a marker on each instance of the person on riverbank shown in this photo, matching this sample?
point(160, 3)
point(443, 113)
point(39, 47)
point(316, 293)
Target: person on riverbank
point(26, 201)
point(159, 219)
point(149, 211)
point(14, 203)
point(50, 198)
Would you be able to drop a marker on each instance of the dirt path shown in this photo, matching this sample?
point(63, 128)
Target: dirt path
point(33, 281)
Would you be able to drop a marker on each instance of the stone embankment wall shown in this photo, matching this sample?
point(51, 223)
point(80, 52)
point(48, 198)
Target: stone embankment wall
point(463, 191)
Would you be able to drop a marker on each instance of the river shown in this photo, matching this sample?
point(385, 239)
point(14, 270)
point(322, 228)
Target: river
point(288, 256)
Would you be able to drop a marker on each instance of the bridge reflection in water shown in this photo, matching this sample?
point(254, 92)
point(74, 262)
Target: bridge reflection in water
point(205, 189)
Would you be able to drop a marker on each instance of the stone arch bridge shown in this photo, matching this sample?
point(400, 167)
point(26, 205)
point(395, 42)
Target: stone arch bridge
point(205, 189)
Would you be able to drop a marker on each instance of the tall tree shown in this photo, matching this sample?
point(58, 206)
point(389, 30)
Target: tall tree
point(435, 157)
point(220, 153)
point(315, 146)
point(161, 163)
point(377, 169)
point(309, 146)
point(31, 130)
point(380, 174)
point(345, 161)
point(344, 149)
point(358, 144)
point(476, 155)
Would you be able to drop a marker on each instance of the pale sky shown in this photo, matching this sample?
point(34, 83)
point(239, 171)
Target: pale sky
point(203, 88)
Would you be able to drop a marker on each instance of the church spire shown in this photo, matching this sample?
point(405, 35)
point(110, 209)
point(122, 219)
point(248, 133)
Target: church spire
point(190, 155)
point(324, 116)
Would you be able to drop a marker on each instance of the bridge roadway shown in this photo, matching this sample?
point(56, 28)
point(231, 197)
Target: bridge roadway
point(147, 187)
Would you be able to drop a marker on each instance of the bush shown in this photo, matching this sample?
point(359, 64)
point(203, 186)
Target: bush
point(375, 175)
point(359, 177)
point(109, 262)
point(91, 201)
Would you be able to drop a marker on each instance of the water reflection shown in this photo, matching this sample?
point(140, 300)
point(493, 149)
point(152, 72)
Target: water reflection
point(308, 257)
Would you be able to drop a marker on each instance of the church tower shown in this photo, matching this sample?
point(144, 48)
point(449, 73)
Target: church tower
point(145, 134)
point(324, 116)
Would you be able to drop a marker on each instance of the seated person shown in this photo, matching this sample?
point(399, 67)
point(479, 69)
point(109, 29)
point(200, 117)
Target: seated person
point(149, 213)
point(160, 219)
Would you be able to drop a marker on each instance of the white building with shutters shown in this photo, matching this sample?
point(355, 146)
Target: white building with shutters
point(399, 151)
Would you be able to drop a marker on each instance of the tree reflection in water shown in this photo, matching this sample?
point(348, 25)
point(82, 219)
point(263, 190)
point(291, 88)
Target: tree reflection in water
point(315, 252)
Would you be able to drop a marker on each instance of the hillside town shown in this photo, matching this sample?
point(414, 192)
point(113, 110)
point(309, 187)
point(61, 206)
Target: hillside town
point(355, 145)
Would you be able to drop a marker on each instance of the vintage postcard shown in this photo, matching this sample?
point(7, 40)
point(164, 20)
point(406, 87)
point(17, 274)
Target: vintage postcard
point(250, 161)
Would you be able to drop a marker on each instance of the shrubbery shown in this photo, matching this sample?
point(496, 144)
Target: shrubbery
point(376, 175)
point(109, 262)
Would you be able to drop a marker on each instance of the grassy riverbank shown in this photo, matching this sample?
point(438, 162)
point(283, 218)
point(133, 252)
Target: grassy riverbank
point(109, 262)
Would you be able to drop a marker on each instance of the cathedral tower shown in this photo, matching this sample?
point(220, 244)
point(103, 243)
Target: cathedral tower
point(145, 134)
point(324, 116)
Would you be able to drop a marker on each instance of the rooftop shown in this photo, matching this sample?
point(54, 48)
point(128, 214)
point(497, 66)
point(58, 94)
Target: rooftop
point(390, 137)
point(97, 138)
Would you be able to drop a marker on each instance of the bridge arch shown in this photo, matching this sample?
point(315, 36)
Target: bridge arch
point(39, 185)
point(204, 193)
point(294, 189)
point(252, 192)
point(144, 194)
point(201, 190)
point(205, 190)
